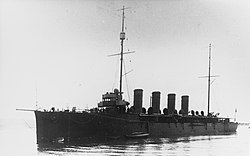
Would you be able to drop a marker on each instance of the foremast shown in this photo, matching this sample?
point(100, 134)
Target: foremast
point(122, 37)
point(114, 99)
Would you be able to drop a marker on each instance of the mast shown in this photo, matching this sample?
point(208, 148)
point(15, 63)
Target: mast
point(209, 76)
point(122, 37)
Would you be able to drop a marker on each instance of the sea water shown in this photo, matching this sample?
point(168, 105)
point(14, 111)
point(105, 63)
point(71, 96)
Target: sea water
point(18, 137)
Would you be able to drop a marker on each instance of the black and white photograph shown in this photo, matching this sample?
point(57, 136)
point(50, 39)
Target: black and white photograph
point(124, 77)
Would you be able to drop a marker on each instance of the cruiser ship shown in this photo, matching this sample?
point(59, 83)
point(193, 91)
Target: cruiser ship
point(116, 118)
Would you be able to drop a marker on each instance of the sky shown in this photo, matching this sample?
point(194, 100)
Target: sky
point(55, 52)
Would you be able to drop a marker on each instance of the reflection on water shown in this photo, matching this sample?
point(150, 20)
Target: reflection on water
point(195, 145)
point(20, 139)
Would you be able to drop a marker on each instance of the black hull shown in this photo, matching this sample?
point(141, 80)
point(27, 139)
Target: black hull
point(77, 126)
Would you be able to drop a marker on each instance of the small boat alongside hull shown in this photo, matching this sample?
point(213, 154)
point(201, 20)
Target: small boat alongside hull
point(137, 135)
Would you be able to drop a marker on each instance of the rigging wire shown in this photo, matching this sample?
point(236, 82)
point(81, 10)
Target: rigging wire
point(126, 81)
point(215, 99)
point(116, 73)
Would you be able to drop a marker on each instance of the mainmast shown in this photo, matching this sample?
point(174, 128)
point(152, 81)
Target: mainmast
point(209, 76)
point(122, 37)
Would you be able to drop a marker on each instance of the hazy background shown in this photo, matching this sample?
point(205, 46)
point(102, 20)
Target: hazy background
point(56, 51)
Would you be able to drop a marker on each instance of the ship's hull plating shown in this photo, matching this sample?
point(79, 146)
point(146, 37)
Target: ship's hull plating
point(75, 126)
